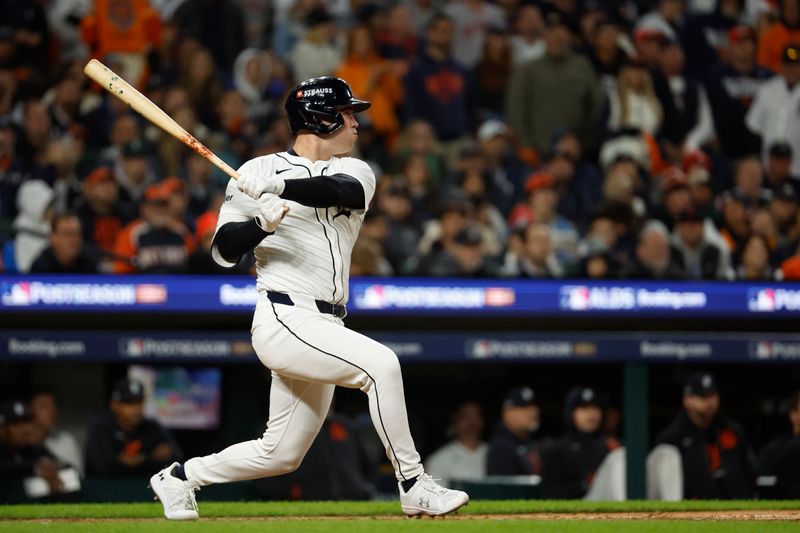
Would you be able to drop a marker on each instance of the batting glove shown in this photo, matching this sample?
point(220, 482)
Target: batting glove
point(271, 211)
point(254, 185)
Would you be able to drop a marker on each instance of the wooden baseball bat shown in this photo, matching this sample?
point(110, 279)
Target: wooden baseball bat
point(139, 102)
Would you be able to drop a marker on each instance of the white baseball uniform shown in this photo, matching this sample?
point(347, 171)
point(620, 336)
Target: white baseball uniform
point(308, 352)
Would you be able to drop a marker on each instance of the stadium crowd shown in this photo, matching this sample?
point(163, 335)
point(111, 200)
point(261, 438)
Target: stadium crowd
point(701, 454)
point(650, 139)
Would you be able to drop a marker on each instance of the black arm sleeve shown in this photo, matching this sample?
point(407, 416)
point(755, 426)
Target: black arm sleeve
point(337, 190)
point(235, 239)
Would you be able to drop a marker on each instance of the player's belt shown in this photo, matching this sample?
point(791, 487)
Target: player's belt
point(339, 311)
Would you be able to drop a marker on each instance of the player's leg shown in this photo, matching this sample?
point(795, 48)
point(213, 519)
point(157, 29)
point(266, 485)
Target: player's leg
point(322, 349)
point(297, 410)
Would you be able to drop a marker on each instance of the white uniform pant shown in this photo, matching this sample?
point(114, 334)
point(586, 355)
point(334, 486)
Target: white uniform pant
point(310, 353)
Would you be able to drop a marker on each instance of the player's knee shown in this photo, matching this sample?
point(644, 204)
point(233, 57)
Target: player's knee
point(387, 364)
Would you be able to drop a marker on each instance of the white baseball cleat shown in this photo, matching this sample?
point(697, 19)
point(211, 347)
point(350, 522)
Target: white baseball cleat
point(175, 494)
point(427, 497)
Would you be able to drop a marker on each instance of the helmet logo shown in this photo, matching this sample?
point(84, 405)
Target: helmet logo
point(317, 90)
point(299, 94)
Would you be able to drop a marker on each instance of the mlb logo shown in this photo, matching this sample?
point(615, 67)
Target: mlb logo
point(763, 350)
point(373, 298)
point(481, 349)
point(761, 300)
point(18, 294)
point(133, 347)
point(575, 298)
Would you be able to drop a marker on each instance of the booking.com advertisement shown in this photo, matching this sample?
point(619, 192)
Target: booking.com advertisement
point(411, 296)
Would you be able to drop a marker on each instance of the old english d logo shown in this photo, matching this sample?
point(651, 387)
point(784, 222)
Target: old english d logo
point(121, 14)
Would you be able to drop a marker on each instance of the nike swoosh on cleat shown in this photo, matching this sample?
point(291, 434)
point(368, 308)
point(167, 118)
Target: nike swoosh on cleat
point(282, 170)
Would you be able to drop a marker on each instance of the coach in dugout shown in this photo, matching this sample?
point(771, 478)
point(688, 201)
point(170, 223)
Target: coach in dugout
point(701, 454)
point(123, 442)
point(512, 450)
point(779, 461)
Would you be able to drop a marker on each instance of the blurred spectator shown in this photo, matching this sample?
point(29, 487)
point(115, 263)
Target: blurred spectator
point(541, 208)
point(19, 459)
point(422, 11)
point(605, 53)
point(778, 170)
point(373, 79)
point(732, 84)
point(125, 128)
point(199, 79)
point(155, 243)
point(199, 184)
point(697, 167)
point(687, 121)
point(512, 450)
point(66, 254)
point(419, 139)
point(315, 55)
point(754, 264)
point(559, 89)
point(492, 72)
point(134, 172)
point(397, 40)
point(735, 223)
point(696, 255)
point(121, 36)
point(45, 431)
point(462, 258)
point(634, 103)
point(253, 79)
point(783, 209)
point(436, 87)
point(37, 130)
point(122, 442)
point(367, 259)
point(527, 43)
point(676, 196)
point(13, 172)
point(472, 20)
point(60, 158)
point(101, 213)
point(401, 234)
point(714, 456)
point(472, 180)
point(218, 25)
point(667, 19)
point(597, 263)
point(653, 259)
point(454, 208)
point(31, 35)
point(537, 259)
point(776, 100)
point(707, 35)
point(32, 225)
point(779, 460)
point(504, 170)
point(200, 261)
point(578, 179)
point(774, 39)
point(464, 457)
point(570, 463)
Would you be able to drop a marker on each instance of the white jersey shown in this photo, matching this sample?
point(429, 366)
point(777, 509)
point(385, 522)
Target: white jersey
point(309, 253)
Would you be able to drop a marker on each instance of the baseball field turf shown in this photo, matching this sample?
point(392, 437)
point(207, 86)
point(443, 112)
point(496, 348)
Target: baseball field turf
point(480, 516)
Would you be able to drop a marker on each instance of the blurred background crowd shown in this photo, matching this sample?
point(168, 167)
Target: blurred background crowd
point(649, 139)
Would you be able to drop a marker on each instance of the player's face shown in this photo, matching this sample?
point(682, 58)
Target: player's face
point(701, 409)
point(587, 418)
point(128, 414)
point(346, 137)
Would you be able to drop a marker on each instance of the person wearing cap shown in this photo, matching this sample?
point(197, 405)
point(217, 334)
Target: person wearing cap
point(134, 173)
point(400, 245)
point(558, 89)
point(731, 84)
point(19, 459)
point(570, 463)
point(464, 457)
point(773, 39)
point(155, 243)
point(66, 253)
point(773, 114)
point(653, 259)
point(101, 211)
point(716, 461)
point(778, 170)
point(698, 256)
point(504, 169)
point(122, 442)
point(779, 461)
point(707, 33)
point(676, 196)
point(512, 450)
point(666, 19)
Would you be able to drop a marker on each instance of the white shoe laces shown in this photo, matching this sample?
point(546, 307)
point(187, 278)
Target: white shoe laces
point(183, 498)
point(432, 484)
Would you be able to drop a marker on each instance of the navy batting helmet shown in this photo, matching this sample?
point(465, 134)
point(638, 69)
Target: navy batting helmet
point(316, 104)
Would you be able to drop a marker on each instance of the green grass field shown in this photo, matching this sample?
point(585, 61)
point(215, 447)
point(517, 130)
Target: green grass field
point(480, 516)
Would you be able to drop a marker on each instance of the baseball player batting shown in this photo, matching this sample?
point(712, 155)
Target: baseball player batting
point(301, 211)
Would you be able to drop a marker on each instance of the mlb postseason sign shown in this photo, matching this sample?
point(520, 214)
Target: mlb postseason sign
point(406, 296)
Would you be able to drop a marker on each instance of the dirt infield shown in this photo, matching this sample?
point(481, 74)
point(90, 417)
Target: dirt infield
point(714, 516)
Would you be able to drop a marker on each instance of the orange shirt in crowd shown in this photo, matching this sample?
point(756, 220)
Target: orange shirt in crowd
point(130, 26)
point(383, 90)
point(772, 42)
